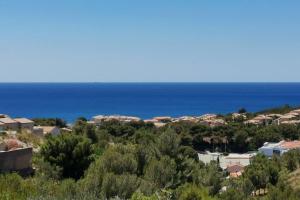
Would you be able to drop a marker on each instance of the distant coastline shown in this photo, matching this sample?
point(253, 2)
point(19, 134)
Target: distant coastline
point(145, 100)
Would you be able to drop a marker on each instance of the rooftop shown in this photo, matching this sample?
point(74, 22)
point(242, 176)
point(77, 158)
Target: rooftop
point(46, 129)
point(272, 144)
point(23, 120)
point(283, 144)
point(291, 144)
point(234, 168)
point(7, 120)
point(163, 118)
point(240, 156)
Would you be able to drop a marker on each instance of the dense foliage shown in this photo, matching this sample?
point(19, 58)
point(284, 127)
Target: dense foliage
point(71, 153)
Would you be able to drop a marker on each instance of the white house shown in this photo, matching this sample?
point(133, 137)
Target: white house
point(9, 124)
point(44, 130)
point(25, 123)
point(269, 149)
point(225, 161)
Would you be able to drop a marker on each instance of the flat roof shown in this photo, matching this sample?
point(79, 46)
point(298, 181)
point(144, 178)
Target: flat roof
point(23, 120)
point(240, 156)
point(7, 120)
point(271, 144)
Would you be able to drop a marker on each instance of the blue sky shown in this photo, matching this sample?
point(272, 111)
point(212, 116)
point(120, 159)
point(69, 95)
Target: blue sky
point(149, 41)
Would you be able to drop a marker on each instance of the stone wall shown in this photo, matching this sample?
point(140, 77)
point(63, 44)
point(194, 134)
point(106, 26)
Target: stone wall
point(15, 160)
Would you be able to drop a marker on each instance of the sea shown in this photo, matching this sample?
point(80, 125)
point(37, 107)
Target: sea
point(145, 100)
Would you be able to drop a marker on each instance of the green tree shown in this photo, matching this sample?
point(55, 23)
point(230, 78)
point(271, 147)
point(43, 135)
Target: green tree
point(161, 172)
point(90, 132)
point(108, 172)
point(168, 143)
point(122, 186)
point(72, 153)
point(240, 141)
point(209, 176)
point(193, 192)
point(242, 110)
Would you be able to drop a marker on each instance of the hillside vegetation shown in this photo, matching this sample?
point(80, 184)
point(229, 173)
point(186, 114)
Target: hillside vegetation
point(139, 161)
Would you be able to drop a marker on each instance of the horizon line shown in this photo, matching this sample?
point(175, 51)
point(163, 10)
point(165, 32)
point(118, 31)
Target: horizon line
point(147, 82)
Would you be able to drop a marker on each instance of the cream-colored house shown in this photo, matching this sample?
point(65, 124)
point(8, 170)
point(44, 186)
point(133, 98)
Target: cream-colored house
point(25, 124)
point(9, 124)
point(53, 130)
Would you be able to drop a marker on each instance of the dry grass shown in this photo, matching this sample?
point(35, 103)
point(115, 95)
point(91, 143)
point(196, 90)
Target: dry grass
point(30, 139)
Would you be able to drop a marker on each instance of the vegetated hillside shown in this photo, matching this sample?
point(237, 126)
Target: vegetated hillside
point(139, 161)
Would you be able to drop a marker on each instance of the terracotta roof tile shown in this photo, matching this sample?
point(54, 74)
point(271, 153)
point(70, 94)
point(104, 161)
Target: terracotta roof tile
point(291, 145)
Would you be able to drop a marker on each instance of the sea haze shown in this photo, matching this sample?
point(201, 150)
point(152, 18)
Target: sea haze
point(72, 100)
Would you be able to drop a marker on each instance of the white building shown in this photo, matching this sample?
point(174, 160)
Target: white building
point(25, 123)
point(9, 124)
point(45, 130)
point(121, 118)
point(225, 161)
point(269, 149)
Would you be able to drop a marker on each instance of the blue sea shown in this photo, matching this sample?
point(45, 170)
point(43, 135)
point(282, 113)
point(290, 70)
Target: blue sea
point(72, 100)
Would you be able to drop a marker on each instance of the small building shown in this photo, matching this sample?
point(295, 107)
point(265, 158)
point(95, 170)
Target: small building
point(37, 130)
point(121, 118)
point(226, 160)
point(45, 130)
point(150, 121)
point(25, 124)
point(213, 122)
point(208, 117)
point(188, 119)
point(238, 116)
point(207, 157)
point(163, 119)
point(15, 156)
point(9, 124)
point(3, 116)
point(293, 122)
point(296, 111)
point(156, 123)
point(53, 130)
point(285, 118)
point(260, 120)
point(270, 148)
point(243, 159)
point(235, 170)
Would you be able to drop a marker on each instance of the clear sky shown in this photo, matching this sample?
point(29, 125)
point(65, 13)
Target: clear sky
point(149, 40)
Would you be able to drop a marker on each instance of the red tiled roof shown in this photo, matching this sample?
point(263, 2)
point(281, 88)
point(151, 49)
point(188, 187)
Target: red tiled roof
point(234, 168)
point(291, 144)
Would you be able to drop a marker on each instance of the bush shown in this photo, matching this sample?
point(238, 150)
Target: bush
point(72, 153)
